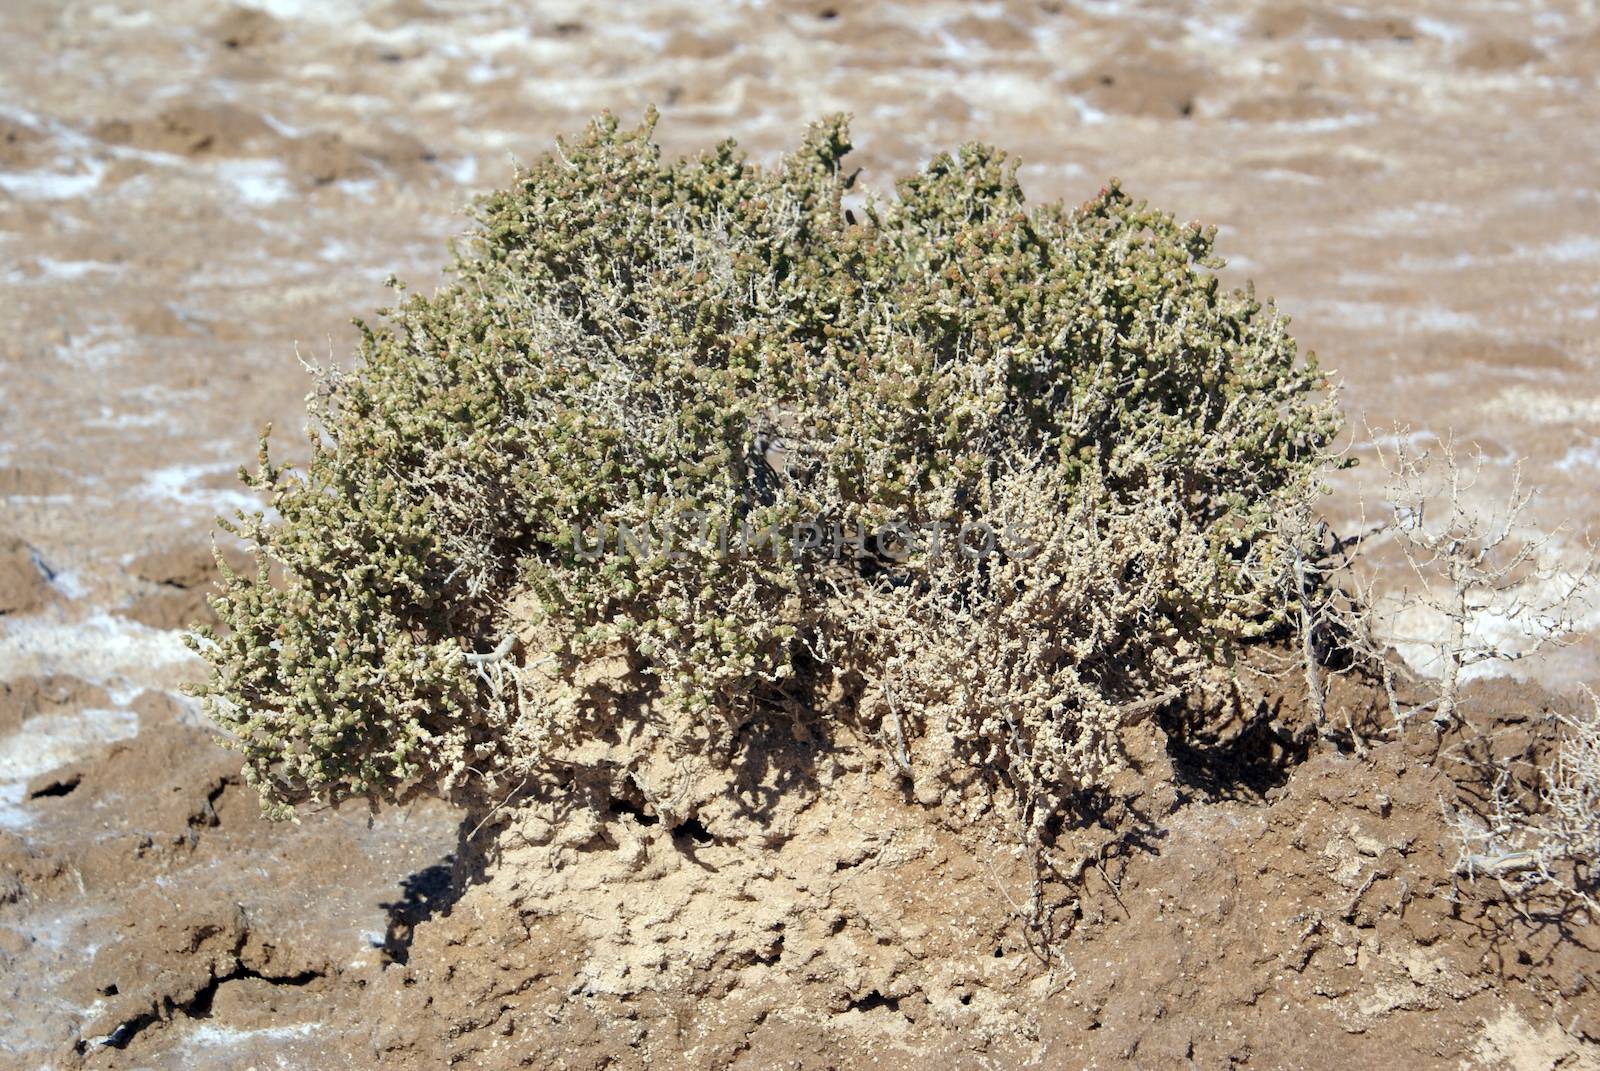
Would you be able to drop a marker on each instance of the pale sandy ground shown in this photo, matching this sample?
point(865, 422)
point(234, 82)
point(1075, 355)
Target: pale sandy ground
point(194, 198)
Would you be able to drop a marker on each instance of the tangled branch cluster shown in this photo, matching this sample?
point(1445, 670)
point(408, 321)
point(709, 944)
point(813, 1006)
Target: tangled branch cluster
point(1544, 842)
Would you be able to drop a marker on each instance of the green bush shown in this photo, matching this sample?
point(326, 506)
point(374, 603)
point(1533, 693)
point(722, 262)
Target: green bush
point(628, 337)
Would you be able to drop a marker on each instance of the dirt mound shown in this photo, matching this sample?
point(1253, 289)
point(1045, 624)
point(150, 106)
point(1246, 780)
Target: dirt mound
point(24, 697)
point(1318, 924)
point(191, 130)
point(174, 582)
point(246, 29)
point(1497, 52)
point(24, 579)
point(18, 145)
point(317, 157)
point(808, 910)
point(1137, 80)
point(1315, 21)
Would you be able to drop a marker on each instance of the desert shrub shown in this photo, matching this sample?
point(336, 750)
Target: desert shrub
point(1439, 583)
point(1484, 585)
point(705, 352)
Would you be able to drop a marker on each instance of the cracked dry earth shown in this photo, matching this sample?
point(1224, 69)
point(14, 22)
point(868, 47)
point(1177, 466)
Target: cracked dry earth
point(1305, 918)
point(195, 196)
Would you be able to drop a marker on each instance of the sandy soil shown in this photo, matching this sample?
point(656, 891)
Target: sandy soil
point(194, 198)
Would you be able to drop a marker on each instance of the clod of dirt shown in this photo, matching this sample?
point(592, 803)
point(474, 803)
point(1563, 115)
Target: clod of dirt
point(191, 130)
point(1498, 53)
point(1145, 82)
point(176, 582)
point(245, 30)
point(18, 144)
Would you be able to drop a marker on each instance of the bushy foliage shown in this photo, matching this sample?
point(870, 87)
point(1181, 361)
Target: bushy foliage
point(628, 337)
